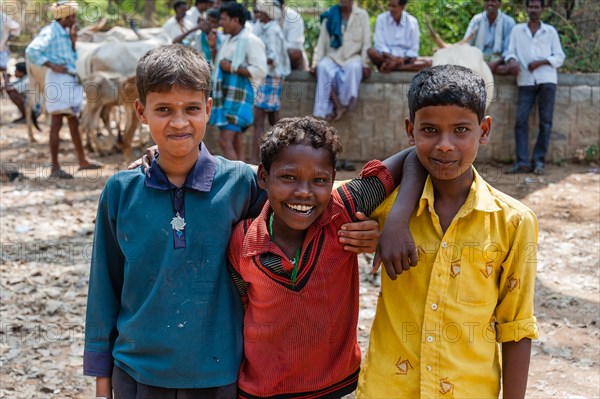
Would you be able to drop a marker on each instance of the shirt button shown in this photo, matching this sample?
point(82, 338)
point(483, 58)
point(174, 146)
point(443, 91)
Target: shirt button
point(179, 193)
point(429, 368)
point(434, 306)
point(429, 338)
point(444, 244)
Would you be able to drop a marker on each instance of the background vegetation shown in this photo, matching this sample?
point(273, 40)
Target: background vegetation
point(577, 21)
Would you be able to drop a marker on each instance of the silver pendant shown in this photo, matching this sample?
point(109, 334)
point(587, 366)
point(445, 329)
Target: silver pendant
point(178, 224)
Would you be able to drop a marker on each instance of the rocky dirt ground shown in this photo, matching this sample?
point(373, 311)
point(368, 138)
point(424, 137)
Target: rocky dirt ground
point(47, 227)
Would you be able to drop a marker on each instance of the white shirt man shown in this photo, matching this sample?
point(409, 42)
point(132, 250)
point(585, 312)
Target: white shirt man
point(398, 39)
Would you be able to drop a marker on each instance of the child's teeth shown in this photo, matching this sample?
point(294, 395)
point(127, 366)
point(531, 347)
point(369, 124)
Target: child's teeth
point(301, 208)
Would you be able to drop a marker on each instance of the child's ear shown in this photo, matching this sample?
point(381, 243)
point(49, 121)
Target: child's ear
point(209, 103)
point(409, 131)
point(263, 175)
point(486, 129)
point(139, 111)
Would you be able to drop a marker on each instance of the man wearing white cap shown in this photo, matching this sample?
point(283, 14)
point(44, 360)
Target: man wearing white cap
point(54, 48)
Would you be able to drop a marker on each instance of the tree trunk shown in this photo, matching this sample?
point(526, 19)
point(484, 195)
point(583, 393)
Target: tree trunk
point(149, 9)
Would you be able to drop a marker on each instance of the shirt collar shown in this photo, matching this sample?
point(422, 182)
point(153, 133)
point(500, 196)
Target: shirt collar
point(59, 28)
point(403, 18)
point(498, 17)
point(479, 199)
point(258, 240)
point(200, 178)
point(543, 27)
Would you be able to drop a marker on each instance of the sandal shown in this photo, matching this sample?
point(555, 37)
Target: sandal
point(91, 165)
point(60, 174)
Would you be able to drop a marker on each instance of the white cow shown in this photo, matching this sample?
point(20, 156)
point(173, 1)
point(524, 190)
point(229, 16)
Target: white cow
point(465, 55)
point(113, 55)
point(120, 34)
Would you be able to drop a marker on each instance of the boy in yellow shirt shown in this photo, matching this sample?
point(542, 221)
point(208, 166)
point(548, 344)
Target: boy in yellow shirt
point(439, 326)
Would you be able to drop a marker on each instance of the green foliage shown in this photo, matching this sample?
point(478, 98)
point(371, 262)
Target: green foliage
point(579, 30)
point(592, 153)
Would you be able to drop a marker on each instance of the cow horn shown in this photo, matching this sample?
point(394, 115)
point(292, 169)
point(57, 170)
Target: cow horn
point(94, 27)
point(468, 39)
point(439, 42)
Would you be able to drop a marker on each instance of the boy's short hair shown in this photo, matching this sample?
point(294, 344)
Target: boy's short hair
point(172, 65)
point(447, 85)
point(235, 10)
point(21, 67)
point(402, 2)
point(300, 130)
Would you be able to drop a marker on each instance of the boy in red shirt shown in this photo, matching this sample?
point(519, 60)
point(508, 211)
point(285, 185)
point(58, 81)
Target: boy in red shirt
point(299, 286)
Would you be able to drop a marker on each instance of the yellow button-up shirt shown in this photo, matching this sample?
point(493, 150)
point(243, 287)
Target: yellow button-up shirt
point(438, 327)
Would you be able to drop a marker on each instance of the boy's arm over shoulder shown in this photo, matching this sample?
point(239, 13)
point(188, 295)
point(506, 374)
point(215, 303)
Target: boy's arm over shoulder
point(234, 257)
point(106, 281)
point(396, 248)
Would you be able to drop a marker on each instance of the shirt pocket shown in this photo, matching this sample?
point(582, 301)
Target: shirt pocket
point(477, 272)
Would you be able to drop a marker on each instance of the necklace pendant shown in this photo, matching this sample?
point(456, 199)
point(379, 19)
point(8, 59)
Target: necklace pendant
point(178, 224)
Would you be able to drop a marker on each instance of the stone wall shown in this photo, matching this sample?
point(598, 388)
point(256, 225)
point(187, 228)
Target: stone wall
point(375, 128)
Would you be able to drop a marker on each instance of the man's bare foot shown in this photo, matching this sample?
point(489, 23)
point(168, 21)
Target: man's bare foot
point(339, 112)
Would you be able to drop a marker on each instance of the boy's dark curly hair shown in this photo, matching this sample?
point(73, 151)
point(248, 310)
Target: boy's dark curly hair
point(302, 130)
point(447, 85)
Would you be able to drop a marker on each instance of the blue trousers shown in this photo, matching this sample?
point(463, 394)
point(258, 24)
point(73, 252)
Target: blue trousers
point(545, 94)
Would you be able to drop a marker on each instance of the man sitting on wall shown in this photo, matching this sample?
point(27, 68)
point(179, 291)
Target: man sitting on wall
point(397, 40)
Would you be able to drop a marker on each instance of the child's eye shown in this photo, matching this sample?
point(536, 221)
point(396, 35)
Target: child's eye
point(162, 109)
point(194, 108)
point(461, 129)
point(321, 180)
point(429, 129)
point(289, 177)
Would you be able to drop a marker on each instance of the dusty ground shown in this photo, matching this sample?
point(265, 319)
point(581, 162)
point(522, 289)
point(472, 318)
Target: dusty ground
point(47, 227)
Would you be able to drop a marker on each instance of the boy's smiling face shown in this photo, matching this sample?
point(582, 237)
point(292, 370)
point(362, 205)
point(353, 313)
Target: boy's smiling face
point(177, 121)
point(299, 186)
point(446, 138)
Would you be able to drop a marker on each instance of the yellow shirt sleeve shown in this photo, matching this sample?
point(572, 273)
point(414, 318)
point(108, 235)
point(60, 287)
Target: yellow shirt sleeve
point(514, 312)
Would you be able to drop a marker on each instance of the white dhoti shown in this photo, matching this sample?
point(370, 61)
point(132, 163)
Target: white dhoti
point(63, 93)
point(345, 80)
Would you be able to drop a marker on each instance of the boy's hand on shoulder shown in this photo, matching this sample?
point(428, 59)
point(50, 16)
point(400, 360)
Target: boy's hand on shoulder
point(146, 160)
point(396, 249)
point(360, 237)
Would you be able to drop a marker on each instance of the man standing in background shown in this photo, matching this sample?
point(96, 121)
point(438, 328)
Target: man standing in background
point(535, 53)
point(54, 48)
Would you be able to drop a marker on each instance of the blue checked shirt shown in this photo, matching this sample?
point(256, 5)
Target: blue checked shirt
point(53, 44)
